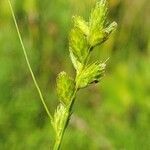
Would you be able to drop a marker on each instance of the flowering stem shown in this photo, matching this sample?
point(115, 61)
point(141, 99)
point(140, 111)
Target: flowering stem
point(58, 139)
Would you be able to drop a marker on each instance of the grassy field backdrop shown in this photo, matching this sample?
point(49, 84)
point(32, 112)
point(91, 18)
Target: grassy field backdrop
point(114, 115)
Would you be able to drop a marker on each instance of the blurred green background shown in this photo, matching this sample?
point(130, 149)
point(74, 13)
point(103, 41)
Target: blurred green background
point(113, 115)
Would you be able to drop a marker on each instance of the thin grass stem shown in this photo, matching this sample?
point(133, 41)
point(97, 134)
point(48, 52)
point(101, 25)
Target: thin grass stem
point(28, 63)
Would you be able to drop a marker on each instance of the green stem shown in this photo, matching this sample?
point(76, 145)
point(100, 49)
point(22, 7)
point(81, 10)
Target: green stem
point(58, 140)
point(28, 63)
point(57, 144)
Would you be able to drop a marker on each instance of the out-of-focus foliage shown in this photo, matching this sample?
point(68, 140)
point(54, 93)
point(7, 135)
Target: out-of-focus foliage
point(113, 116)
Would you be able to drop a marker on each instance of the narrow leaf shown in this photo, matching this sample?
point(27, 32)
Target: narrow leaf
point(77, 65)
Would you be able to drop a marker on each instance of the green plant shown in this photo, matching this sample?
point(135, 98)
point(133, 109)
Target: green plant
point(83, 38)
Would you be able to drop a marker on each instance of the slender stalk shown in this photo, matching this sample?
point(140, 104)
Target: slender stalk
point(28, 63)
